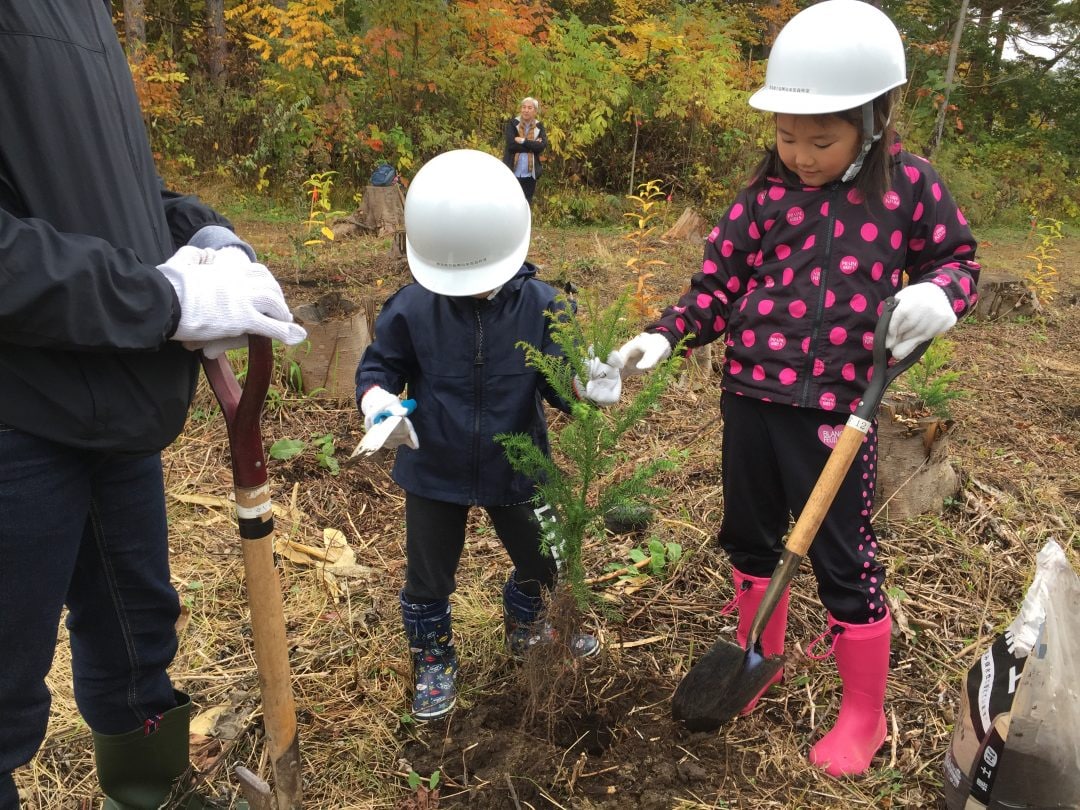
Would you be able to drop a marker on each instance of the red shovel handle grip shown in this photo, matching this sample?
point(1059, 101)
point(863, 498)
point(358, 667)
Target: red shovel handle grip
point(243, 408)
point(243, 413)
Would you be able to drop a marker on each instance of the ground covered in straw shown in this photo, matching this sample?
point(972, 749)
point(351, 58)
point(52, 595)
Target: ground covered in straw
point(959, 574)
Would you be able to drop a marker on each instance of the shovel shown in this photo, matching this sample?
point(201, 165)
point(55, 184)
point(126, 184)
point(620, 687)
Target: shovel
point(243, 411)
point(728, 677)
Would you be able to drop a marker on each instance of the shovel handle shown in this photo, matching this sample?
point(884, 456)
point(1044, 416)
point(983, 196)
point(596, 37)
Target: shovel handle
point(851, 439)
point(243, 413)
point(837, 466)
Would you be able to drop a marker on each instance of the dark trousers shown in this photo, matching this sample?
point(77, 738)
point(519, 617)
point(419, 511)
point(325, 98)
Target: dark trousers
point(772, 457)
point(86, 530)
point(435, 538)
point(528, 186)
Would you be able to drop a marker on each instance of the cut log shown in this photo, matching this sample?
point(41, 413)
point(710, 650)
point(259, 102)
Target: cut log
point(1002, 295)
point(338, 332)
point(915, 476)
point(347, 227)
point(691, 227)
point(397, 247)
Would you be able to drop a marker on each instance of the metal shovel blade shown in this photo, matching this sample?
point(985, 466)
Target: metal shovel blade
point(721, 684)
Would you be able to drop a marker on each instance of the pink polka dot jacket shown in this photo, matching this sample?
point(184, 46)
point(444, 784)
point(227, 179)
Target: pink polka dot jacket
point(794, 279)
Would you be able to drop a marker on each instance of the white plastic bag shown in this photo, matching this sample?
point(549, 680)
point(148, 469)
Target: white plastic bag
point(1017, 738)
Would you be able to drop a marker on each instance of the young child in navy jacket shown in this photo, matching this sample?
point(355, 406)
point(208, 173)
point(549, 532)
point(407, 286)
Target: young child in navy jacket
point(451, 340)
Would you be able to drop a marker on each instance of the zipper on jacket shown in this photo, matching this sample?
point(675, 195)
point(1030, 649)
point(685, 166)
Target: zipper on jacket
point(478, 397)
point(819, 312)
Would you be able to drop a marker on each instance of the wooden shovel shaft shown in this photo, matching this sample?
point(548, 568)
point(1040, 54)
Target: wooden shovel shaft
point(243, 413)
point(828, 484)
point(810, 519)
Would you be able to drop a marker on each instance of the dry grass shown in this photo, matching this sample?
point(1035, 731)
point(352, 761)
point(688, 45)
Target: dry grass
point(962, 573)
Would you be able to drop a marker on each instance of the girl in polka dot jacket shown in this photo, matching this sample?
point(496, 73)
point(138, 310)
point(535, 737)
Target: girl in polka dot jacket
point(793, 279)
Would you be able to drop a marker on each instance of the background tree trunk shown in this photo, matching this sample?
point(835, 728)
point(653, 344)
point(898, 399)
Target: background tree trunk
point(135, 29)
point(215, 24)
point(950, 71)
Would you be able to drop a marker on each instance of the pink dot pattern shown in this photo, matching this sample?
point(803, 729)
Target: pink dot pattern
point(794, 278)
point(872, 572)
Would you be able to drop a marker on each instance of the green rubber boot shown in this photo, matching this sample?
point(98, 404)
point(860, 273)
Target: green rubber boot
point(140, 770)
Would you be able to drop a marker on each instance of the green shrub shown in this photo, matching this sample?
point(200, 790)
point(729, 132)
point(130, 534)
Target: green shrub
point(565, 206)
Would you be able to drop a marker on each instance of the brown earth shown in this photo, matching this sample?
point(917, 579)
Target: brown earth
point(961, 575)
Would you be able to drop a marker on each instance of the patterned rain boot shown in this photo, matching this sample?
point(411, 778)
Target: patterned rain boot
point(862, 658)
point(435, 665)
point(749, 592)
point(523, 631)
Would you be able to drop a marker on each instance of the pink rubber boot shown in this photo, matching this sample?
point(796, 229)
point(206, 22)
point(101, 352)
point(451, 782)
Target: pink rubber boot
point(862, 658)
point(748, 594)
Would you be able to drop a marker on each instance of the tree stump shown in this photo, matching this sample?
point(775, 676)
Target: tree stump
point(915, 476)
point(338, 332)
point(383, 209)
point(397, 247)
point(690, 227)
point(1004, 295)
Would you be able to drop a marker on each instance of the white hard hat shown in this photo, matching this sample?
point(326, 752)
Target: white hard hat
point(467, 223)
point(832, 56)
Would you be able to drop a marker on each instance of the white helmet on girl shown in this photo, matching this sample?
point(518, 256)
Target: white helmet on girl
point(832, 56)
point(467, 223)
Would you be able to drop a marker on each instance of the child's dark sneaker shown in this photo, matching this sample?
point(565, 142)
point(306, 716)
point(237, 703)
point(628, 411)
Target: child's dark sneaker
point(520, 614)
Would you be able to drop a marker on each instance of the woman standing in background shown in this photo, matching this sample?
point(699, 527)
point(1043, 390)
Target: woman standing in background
point(525, 140)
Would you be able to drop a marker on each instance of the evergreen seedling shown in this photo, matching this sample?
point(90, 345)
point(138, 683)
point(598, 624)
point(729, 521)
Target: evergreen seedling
point(580, 490)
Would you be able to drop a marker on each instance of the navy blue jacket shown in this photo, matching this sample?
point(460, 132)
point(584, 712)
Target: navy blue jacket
point(459, 359)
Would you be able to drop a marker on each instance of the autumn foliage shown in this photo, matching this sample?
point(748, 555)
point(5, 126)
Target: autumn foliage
point(628, 88)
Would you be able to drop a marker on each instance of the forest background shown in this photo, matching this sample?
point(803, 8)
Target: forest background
point(268, 93)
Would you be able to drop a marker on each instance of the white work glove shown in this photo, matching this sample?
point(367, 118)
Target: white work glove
point(922, 312)
point(379, 406)
point(213, 349)
point(643, 353)
point(224, 295)
point(604, 385)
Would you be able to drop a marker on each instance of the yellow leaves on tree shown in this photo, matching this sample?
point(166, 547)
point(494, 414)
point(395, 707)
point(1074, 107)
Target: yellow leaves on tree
point(301, 35)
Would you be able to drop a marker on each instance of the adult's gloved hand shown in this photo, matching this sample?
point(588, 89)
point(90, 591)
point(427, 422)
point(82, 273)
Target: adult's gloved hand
point(604, 385)
point(234, 252)
point(644, 352)
point(922, 312)
point(382, 409)
point(224, 295)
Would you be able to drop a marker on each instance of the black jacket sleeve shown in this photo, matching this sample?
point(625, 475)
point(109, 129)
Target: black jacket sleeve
point(78, 292)
point(186, 214)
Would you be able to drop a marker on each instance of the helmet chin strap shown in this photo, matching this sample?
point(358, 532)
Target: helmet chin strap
point(869, 139)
